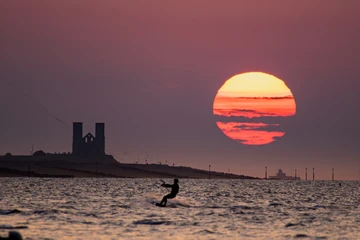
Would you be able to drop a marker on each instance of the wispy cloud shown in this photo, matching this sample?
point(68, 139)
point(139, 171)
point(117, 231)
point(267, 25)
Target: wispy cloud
point(266, 98)
point(247, 113)
point(253, 107)
point(248, 133)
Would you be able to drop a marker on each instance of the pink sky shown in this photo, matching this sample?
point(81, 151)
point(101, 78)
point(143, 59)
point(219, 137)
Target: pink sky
point(151, 70)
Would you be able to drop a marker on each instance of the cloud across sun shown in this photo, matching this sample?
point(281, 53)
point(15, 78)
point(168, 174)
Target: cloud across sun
point(253, 95)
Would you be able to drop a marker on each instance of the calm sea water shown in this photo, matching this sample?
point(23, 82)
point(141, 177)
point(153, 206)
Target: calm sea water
point(204, 209)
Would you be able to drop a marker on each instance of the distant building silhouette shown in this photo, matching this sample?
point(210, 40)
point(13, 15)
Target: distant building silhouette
point(88, 145)
point(39, 153)
point(280, 175)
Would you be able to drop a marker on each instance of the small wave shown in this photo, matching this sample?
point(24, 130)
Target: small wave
point(238, 212)
point(320, 206)
point(215, 207)
point(316, 207)
point(8, 212)
point(120, 206)
point(244, 207)
point(275, 204)
point(150, 222)
point(301, 236)
point(179, 203)
point(205, 231)
point(293, 224)
point(87, 222)
point(170, 203)
point(45, 212)
point(68, 207)
point(205, 213)
point(115, 223)
point(90, 215)
point(9, 227)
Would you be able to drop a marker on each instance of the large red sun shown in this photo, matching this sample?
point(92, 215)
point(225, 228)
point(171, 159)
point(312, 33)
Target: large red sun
point(248, 105)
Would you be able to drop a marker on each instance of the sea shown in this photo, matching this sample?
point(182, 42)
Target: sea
point(113, 208)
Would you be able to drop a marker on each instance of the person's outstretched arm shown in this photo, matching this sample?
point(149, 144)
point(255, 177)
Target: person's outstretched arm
point(167, 185)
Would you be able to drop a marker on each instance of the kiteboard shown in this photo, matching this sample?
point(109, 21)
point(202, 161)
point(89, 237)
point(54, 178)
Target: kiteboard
point(158, 205)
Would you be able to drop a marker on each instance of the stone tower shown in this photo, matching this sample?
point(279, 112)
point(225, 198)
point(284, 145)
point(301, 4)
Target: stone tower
point(100, 138)
point(77, 144)
point(88, 145)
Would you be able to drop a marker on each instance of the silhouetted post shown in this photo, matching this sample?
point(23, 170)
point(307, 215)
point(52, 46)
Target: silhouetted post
point(295, 173)
point(333, 174)
point(29, 174)
point(97, 168)
point(209, 170)
point(305, 173)
point(265, 172)
point(313, 174)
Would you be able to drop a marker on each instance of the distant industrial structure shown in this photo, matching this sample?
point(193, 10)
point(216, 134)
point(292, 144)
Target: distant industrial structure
point(88, 145)
point(280, 175)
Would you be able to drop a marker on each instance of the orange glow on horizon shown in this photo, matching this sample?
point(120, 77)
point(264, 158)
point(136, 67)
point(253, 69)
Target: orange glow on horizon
point(253, 95)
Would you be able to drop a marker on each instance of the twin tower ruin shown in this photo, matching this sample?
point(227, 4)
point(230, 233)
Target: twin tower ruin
point(88, 145)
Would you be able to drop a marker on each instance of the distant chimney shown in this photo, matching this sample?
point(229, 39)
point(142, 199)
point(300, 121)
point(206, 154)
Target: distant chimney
point(77, 138)
point(100, 138)
point(265, 172)
point(313, 174)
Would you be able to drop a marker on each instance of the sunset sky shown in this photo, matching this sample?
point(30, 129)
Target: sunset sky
point(151, 70)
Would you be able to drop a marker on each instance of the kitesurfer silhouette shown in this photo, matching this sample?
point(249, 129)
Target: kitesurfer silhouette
point(174, 190)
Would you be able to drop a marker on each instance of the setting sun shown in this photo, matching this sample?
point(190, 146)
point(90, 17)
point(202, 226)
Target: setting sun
point(254, 96)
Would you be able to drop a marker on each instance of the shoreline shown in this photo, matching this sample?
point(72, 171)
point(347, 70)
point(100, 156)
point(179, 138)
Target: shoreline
point(69, 166)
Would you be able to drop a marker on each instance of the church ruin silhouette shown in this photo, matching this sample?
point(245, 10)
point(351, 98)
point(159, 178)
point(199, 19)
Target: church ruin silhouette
point(88, 145)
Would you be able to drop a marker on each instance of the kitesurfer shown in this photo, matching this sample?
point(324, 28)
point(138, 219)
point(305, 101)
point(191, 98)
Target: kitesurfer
point(174, 190)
